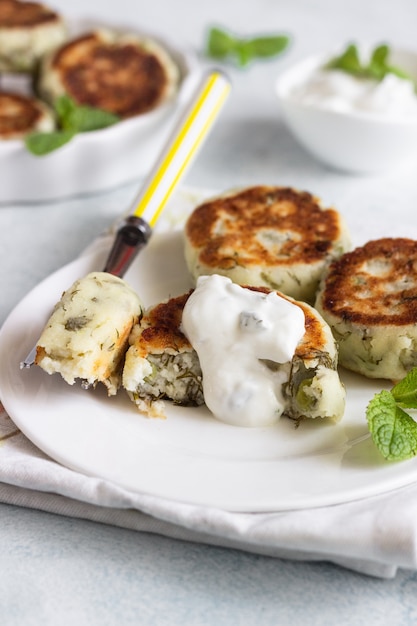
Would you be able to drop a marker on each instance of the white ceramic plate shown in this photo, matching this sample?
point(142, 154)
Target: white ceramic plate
point(188, 457)
point(101, 159)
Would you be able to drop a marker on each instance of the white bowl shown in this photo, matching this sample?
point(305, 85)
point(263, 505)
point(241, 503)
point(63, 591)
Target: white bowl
point(353, 141)
point(97, 160)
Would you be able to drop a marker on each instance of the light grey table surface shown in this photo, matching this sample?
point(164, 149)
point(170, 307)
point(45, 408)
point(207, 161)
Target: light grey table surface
point(58, 570)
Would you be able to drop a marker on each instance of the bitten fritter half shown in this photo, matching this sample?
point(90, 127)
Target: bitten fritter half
point(161, 362)
point(87, 334)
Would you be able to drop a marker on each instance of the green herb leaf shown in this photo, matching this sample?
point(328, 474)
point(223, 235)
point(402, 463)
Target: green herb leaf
point(348, 61)
point(72, 119)
point(380, 55)
point(244, 52)
point(40, 144)
point(377, 68)
point(82, 118)
point(393, 431)
point(401, 74)
point(64, 107)
point(269, 46)
point(405, 391)
point(222, 44)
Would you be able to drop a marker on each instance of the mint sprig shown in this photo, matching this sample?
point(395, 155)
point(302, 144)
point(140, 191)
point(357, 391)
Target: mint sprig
point(39, 143)
point(222, 44)
point(377, 68)
point(72, 119)
point(393, 430)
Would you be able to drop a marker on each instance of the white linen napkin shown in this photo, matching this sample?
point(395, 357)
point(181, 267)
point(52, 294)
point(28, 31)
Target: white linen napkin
point(374, 536)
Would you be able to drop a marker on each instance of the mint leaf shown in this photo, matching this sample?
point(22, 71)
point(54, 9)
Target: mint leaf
point(401, 74)
point(84, 118)
point(64, 107)
point(348, 61)
point(40, 144)
point(72, 119)
point(380, 55)
point(222, 44)
point(269, 46)
point(405, 391)
point(393, 431)
point(377, 68)
point(244, 52)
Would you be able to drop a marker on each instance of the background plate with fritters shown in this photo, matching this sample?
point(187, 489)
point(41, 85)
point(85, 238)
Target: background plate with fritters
point(102, 159)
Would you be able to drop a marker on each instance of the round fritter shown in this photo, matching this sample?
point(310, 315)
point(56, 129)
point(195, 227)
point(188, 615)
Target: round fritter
point(27, 31)
point(20, 115)
point(369, 298)
point(276, 237)
point(121, 74)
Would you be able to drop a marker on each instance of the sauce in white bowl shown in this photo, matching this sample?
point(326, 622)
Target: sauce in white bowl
point(391, 98)
point(353, 124)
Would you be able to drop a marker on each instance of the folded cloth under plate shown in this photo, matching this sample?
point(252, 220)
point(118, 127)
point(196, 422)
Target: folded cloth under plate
point(375, 536)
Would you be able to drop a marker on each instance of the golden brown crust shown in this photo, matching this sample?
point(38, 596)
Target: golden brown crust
point(374, 285)
point(231, 227)
point(15, 14)
point(18, 114)
point(161, 327)
point(120, 77)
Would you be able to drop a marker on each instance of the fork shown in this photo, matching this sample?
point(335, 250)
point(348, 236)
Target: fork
point(170, 167)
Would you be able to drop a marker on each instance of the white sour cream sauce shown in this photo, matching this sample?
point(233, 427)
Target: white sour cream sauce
point(232, 330)
point(334, 90)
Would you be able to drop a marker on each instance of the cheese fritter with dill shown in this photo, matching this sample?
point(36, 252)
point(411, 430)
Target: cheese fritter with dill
point(28, 30)
point(87, 334)
point(369, 298)
point(121, 73)
point(277, 237)
point(162, 364)
point(20, 115)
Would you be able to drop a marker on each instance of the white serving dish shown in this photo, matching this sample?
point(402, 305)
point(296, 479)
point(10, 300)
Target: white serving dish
point(97, 160)
point(356, 142)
